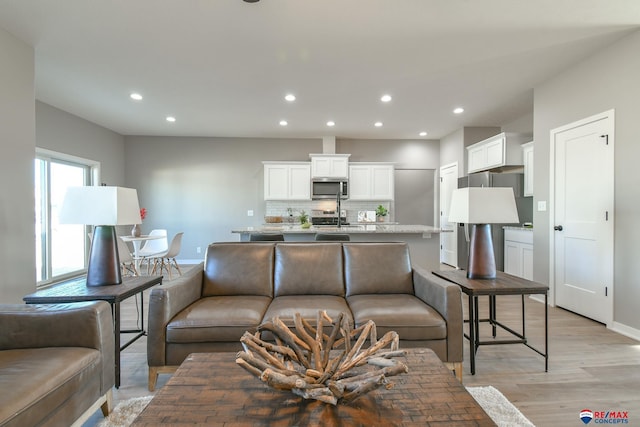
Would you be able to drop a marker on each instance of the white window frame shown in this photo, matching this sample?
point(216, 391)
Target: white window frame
point(93, 178)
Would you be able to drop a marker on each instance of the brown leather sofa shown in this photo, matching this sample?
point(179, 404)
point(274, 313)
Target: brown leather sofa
point(56, 363)
point(240, 285)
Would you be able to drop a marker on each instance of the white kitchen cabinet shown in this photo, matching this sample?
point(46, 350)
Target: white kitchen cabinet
point(527, 160)
point(518, 252)
point(287, 180)
point(329, 165)
point(371, 181)
point(499, 150)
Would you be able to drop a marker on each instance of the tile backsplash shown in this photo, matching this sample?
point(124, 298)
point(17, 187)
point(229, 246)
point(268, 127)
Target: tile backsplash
point(279, 207)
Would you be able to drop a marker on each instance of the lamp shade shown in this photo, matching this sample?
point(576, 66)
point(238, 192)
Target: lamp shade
point(100, 206)
point(483, 205)
point(104, 207)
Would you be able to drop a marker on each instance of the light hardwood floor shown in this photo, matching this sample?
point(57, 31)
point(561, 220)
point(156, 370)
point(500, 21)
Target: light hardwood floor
point(589, 366)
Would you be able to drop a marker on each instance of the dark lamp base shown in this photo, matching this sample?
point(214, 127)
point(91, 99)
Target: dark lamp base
point(482, 262)
point(104, 262)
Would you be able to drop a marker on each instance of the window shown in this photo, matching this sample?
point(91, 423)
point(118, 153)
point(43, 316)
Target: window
point(61, 249)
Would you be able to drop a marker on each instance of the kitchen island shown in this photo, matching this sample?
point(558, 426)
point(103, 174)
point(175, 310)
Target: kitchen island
point(423, 240)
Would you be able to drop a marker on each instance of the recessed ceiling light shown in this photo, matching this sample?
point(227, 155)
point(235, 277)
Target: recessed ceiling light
point(458, 110)
point(378, 124)
point(331, 123)
point(136, 96)
point(290, 97)
point(423, 133)
point(385, 98)
point(283, 123)
point(171, 119)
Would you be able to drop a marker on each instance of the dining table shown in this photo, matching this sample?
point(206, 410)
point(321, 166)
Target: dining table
point(136, 241)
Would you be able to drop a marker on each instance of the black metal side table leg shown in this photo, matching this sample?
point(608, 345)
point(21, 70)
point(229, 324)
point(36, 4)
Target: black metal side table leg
point(472, 359)
point(492, 314)
point(473, 332)
point(116, 331)
point(546, 333)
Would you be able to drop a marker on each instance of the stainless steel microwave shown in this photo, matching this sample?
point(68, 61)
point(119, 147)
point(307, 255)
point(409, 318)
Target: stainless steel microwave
point(329, 188)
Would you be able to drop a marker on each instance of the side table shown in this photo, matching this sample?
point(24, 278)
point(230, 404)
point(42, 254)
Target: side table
point(76, 290)
point(503, 284)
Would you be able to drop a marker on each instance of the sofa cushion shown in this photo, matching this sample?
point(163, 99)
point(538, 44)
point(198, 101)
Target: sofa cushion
point(303, 269)
point(411, 318)
point(223, 318)
point(377, 268)
point(308, 306)
point(238, 269)
point(41, 380)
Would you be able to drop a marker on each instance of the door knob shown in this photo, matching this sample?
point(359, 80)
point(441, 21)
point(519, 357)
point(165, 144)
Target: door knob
point(558, 228)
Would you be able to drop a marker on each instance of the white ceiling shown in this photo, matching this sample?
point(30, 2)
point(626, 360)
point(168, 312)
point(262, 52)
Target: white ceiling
point(222, 67)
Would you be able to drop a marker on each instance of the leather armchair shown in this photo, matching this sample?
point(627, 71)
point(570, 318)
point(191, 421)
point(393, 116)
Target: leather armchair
point(58, 361)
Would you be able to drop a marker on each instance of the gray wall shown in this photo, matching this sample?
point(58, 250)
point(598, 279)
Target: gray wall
point(405, 153)
point(452, 150)
point(17, 139)
point(607, 80)
point(65, 133)
point(522, 124)
point(205, 186)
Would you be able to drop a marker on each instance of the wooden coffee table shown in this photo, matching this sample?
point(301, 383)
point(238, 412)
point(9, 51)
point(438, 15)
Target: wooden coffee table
point(210, 389)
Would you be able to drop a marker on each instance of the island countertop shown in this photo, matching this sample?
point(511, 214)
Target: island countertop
point(345, 229)
point(423, 240)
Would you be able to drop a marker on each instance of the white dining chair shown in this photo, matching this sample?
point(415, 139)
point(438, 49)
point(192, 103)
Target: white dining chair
point(167, 260)
point(127, 262)
point(153, 248)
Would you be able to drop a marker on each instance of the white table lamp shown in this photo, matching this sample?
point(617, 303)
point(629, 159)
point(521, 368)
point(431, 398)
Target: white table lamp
point(481, 207)
point(104, 207)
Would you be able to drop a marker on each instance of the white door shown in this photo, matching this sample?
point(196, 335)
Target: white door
point(583, 217)
point(448, 240)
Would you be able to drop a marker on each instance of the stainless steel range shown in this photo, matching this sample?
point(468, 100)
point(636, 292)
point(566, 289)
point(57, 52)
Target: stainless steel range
point(319, 217)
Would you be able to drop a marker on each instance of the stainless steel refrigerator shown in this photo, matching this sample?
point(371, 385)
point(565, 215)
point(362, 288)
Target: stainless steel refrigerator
point(524, 205)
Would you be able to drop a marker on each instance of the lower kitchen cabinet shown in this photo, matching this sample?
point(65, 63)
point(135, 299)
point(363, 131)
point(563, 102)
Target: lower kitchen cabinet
point(518, 252)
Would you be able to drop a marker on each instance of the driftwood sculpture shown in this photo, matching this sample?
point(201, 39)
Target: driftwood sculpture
point(332, 368)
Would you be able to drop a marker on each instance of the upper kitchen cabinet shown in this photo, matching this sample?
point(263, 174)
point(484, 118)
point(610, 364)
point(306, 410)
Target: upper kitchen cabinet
point(371, 181)
point(287, 180)
point(329, 165)
point(527, 160)
point(499, 151)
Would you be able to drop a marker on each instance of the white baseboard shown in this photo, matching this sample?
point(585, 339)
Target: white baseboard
point(190, 261)
point(625, 330)
point(620, 328)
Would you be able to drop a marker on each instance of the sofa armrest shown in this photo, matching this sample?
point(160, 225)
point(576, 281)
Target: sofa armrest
point(164, 303)
point(84, 324)
point(446, 298)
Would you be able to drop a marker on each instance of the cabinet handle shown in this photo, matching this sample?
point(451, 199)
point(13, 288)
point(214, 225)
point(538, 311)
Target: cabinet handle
point(558, 228)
